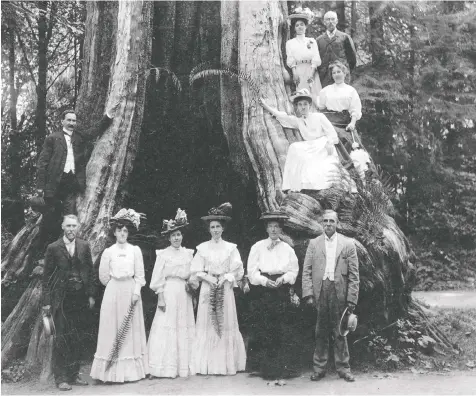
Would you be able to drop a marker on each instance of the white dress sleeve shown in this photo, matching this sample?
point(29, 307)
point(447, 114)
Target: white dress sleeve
point(104, 267)
point(355, 108)
point(139, 275)
point(157, 282)
point(293, 268)
point(254, 274)
point(322, 102)
point(197, 269)
point(290, 57)
point(287, 121)
point(328, 129)
point(316, 59)
point(236, 268)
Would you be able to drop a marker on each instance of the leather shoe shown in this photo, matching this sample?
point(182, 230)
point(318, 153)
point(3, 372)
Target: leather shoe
point(348, 377)
point(64, 386)
point(288, 374)
point(318, 376)
point(78, 381)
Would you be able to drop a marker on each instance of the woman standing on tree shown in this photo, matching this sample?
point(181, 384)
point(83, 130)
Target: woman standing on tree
point(312, 164)
point(302, 54)
point(341, 104)
point(121, 355)
point(218, 347)
point(173, 330)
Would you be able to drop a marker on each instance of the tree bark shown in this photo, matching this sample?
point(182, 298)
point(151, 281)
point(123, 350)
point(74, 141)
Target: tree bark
point(340, 11)
point(376, 32)
point(353, 19)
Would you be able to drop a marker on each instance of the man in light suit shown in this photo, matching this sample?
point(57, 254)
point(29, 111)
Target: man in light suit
point(68, 295)
point(330, 282)
point(334, 45)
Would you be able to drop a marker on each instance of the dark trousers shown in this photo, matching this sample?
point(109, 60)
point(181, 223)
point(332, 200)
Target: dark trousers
point(328, 317)
point(62, 203)
point(272, 351)
point(72, 321)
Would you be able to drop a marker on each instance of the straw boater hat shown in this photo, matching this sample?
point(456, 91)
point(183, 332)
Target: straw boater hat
point(348, 322)
point(223, 213)
point(274, 216)
point(179, 222)
point(300, 13)
point(127, 217)
point(301, 94)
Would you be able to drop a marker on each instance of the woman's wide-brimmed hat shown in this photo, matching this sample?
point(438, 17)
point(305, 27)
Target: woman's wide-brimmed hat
point(302, 13)
point(348, 322)
point(222, 212)
point(127, 216)
point(274, 216)
point(180, 221)
point(301, 94)
point(49, 326)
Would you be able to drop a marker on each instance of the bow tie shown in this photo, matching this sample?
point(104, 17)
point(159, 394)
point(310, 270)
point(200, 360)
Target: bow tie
point(273, 244)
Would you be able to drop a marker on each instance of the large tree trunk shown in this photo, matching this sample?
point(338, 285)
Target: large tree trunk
point(114, 72)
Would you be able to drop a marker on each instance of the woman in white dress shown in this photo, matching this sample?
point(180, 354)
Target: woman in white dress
point(218, 347)
point(341, 104)
point(173, 329)
point(122, 272)
point(312, 164)
point(302, 54)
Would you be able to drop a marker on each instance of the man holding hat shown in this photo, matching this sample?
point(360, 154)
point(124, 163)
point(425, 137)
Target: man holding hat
point(272, 270)
point(330, 282)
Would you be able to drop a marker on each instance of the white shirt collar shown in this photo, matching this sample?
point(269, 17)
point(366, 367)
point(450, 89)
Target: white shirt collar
point(331, 35)
point(67, 241)
point(332, 238)
point(69, 133)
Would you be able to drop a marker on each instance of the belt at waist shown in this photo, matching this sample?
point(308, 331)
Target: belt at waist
point(303, 61)
point(272, 277)
point(123, 278)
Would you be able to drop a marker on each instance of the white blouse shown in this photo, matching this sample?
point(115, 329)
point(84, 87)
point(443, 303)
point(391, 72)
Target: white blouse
point(339, 97)
point(218, 258)
point(170, 262)
point(302, 49)
point(120, 263)
point(314, 126)
point(281, 259)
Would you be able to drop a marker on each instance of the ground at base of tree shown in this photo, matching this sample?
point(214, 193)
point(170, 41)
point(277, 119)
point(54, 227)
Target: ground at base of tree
point(458, 382)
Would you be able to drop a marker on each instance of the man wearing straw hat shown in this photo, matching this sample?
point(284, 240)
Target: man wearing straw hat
point(330, 282)
point(68, 294)
point(272, 270)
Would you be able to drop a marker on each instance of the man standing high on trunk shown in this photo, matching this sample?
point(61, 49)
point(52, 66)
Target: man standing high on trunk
point(334, 45)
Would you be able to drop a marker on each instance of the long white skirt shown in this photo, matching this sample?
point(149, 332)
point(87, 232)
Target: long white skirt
point(213, 354)
point(309, 166)
point(132, 362)
point(172, 333)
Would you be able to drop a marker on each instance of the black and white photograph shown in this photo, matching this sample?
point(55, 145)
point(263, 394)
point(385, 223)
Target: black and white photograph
point(238, 197)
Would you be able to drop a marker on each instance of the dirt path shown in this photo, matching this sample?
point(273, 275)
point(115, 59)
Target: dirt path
point(401, 383)
point(447, 299)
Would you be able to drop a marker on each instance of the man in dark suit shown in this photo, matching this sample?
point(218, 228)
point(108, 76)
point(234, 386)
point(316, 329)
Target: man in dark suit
point(62, 163)
point(330, 282)
point(68, 294)
point(334, 45)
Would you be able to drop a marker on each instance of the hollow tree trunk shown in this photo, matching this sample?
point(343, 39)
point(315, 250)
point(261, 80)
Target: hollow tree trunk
point(118, 44)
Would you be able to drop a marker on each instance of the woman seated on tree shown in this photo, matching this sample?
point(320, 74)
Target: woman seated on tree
point(121, 353)
point(341, 104)
point(218, 347)
point(173, 330)
point(302, 54)
point(312, 164)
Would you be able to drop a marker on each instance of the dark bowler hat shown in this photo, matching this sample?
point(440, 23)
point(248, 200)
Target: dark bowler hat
point(179, 222)
point(223, 213)
point(274, 215)
point(348, 322)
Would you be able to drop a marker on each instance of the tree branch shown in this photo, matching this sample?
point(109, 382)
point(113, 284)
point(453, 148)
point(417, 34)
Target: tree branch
point(27, 61)
point(59, 74)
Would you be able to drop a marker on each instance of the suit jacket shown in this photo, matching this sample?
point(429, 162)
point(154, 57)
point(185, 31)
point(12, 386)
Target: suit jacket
point(346, 274)
point(340, 47)
point(57, 270)
point(52, 158)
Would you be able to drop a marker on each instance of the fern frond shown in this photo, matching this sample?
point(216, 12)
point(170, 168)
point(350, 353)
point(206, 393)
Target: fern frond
point(169, 73)
point(121, 336)
point(216, 308)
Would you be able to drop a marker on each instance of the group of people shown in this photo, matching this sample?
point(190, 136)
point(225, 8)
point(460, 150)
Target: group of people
point(320, 69)
point(182, 342)
point(178, 345)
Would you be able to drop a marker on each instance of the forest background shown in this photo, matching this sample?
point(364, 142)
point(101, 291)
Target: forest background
point(415, 75)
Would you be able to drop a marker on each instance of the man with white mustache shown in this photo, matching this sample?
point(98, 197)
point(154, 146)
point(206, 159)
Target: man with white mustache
point(334, 45)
